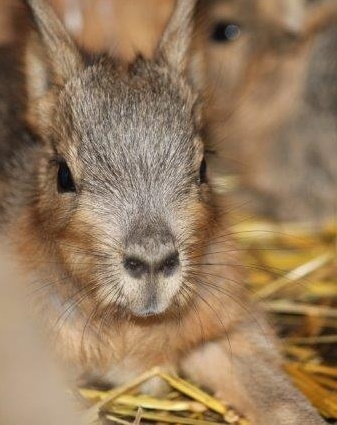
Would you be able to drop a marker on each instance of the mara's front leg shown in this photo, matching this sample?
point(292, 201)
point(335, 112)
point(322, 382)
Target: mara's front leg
point(245, 370)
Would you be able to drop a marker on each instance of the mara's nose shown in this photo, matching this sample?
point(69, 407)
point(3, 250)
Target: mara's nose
point(164, 263)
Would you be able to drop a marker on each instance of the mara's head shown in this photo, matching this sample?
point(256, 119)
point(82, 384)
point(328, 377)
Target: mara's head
point(123, 202)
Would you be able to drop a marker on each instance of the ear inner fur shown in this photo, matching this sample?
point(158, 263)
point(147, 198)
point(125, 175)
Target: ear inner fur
point(176, 39)
point(64, 57)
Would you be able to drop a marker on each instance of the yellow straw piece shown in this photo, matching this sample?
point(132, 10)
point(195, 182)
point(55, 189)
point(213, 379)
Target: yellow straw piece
point(162, 417)
point(195, 393)
point(295, 275)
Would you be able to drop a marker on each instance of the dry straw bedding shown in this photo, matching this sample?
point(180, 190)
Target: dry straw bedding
point(292, 271)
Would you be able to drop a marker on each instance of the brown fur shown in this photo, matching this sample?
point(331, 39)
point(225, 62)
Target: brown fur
point(131, 139)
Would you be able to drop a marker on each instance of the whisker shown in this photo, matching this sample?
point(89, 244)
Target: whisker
point(197, 294)
point(194, 306)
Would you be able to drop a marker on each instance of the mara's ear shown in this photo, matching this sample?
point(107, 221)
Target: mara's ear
point(51, 53)
point(177, 37)
point(294, 14)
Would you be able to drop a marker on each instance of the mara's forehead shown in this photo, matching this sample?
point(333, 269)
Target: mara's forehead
point(144, 95)
point(144, 112)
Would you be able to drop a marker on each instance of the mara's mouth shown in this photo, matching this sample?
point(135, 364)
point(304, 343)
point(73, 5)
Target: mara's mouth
point(140, 299)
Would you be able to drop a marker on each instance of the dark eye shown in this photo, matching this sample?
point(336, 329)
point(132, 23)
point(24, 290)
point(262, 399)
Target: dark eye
point(203, 172)
point(65, 182)
point(224, 32)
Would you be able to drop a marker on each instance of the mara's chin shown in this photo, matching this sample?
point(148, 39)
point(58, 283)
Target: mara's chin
point(149, 312)
point(156, 312)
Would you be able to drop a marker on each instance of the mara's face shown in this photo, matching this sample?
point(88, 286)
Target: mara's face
point(125, 197)
point(246, 44)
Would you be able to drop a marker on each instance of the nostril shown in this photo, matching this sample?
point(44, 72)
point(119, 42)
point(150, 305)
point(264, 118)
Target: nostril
point(135, 267)
point(169, 264)
point(138, 267)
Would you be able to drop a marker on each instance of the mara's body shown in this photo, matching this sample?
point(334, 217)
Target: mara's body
point(98, 337)
point(107, 202)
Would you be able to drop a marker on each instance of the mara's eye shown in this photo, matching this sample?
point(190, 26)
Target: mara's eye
point(65, 182)
point(224, 32)
point(203, 172)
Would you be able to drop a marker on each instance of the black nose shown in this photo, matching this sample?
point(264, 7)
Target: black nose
point(139, 267)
